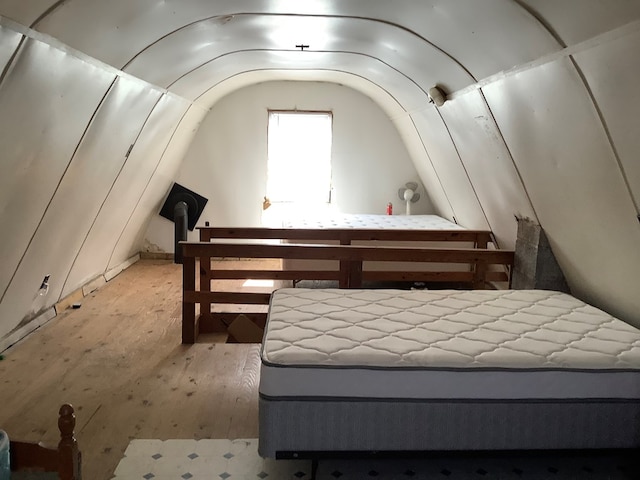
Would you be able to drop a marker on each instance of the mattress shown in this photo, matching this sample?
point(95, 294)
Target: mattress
point(378, 222)
point(365, 221)
point(445, 345)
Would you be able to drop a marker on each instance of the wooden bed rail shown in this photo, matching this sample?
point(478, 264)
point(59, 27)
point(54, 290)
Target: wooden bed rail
point(350, 273)
point(480, 238)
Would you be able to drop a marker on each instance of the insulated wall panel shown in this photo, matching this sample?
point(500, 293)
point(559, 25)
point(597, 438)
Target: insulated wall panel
point(25, 11)
point(46, 101)
point(9, 41)
point(561, 150)
point(612, 71)
point(132, 238)
point(80, 194)
point(424, 167)
point(488, 164)
point(578, 20)
point(449, 169)
point(126, 192)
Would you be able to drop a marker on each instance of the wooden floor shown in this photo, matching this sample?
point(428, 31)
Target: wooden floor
point(118, 359)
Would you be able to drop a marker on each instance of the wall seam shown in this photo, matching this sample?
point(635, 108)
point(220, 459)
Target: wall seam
point(108, 194)
point(53, 195)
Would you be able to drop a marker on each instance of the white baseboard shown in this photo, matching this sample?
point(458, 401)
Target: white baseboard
point(25, 330)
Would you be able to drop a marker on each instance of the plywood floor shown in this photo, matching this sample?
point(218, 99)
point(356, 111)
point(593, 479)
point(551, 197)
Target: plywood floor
point(118, 359)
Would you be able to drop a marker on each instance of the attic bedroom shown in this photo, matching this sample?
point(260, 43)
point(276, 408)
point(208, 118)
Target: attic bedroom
point(498, 115)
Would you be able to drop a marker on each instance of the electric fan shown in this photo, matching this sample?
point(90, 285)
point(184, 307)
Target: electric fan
point(409, 195)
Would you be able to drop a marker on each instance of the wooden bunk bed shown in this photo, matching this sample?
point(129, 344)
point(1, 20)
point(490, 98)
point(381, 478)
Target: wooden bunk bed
point(478, 266)
point(28, 459)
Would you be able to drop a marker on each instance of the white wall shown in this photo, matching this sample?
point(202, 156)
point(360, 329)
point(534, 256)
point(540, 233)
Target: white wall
point(81, 144)
point(227, 161)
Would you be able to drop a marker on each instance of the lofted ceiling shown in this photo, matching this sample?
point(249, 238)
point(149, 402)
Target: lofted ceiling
point(100, 101)
point(191, 46)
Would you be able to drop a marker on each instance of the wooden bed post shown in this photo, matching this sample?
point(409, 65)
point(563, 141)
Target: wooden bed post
point(189, 332)
point(69, 455)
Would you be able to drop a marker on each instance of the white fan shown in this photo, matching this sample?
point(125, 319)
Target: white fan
point(409, 195)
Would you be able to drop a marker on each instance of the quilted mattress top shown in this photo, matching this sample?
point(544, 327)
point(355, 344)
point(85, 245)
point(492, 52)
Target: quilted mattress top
point(445, 329)
point(401, 222)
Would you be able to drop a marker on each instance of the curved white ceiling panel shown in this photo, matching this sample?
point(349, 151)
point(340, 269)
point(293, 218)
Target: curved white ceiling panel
point(25, 11)
point(405, 91)
point(489, 165)
point(486, 37)
point(9, 41)
point(52, 96)
point(127, 27)
point(609, 70)
point(577, 20)
point(383, 98)
point(485, 42)
point(176, 55)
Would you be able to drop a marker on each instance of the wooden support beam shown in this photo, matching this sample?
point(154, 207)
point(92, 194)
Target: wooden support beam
point(189, 332)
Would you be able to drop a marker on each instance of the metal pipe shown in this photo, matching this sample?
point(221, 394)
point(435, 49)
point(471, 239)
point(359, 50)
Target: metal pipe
point(180, 221)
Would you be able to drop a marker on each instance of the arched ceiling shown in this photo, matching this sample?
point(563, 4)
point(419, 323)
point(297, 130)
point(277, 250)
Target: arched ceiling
point(191, 46)
point(101, 101)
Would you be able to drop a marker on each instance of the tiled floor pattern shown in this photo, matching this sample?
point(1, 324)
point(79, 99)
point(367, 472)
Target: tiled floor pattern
point(238, 459)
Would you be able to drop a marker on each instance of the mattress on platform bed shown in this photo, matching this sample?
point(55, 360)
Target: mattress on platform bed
point(366, 221)
point(445, 345)
point(375, 222)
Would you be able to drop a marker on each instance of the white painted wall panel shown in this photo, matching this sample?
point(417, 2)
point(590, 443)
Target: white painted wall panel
point(24, 11)
point(424, 167)
point(9, 41)
point(449, 169)
point(370, 161)
point(46, 102)
point(146, 211)
point(578, 20)
point(126, 192)
point(612, 71)
point(81, 192)
point(488, 163)
point(562, 153)
point(383, 99)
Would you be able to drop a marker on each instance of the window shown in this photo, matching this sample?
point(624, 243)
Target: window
point(299, 157)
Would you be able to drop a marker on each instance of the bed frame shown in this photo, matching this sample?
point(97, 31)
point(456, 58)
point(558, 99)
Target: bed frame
point(479, 266)
point(299, 422)
point(65, 459)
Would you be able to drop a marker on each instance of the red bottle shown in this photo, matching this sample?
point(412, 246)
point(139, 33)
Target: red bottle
point(389, 208)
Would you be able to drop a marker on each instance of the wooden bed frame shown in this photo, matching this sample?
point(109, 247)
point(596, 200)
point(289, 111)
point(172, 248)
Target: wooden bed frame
point(65, 459)
point(349, 274)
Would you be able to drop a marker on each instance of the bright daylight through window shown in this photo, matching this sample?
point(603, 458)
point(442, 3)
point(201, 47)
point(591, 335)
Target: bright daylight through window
point(299, 163)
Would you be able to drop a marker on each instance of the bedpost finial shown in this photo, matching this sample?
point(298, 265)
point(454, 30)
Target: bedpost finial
point(66, 424)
